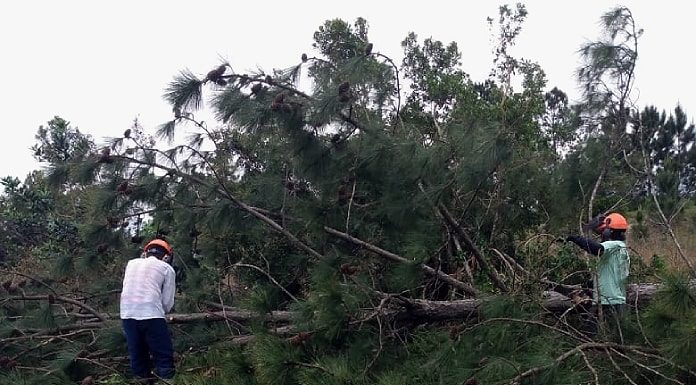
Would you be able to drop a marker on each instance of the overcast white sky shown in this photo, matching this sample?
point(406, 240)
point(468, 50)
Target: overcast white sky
point(100, 65)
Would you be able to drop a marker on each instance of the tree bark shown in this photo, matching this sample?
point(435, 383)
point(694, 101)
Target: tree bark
point(465, 287)
point(417, 310)
point(231, 315)
point(464, 236)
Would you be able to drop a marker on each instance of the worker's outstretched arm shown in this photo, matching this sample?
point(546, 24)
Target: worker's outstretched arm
point(592, 247)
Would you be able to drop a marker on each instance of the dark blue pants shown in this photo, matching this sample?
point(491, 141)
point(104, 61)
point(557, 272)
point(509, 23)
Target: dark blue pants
point(149, 343)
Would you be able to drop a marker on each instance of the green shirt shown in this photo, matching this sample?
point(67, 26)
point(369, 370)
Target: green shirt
point(612, 271)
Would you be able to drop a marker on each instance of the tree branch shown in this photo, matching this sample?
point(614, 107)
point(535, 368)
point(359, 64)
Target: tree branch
point(464, 236)
point(50, 298)
point(397, 258)
point(221, 190)
point(264, 272)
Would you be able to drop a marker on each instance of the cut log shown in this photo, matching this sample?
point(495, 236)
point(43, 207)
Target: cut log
point(230, 315)
point(416, 310)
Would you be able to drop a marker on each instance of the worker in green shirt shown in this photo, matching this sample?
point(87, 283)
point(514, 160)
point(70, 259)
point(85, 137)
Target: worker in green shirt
point(613, 261)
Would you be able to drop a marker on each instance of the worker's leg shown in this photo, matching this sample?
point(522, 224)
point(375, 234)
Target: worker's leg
point(160, 343)
point(137, 348)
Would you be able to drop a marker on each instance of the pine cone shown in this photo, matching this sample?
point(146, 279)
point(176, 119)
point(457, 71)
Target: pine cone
point(348, 269)
point(221, 82)
point(299, 339)
point(256, 88)
point(343, 195)
point(13, 287)
point(368, 49)
point(10, 364)
point(304, 58)
point(105, 156)
point(278, 102)
point(101, 248)
point(215, 74)
point(454, 332)
point(344, 94)
point(343, 87)
point(112, 222)
point(123, 186)
point(126, 134)
point(51, 299)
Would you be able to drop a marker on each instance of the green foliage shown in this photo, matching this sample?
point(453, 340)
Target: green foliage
point(262, 299)
point(330, 202)
point(31, 379)
point(227, 365)
point(671, 319)
point(185, 92)
point(59, 143)
point(112, 340)
point(274, 361)
point(404, 277)
point(66, 362)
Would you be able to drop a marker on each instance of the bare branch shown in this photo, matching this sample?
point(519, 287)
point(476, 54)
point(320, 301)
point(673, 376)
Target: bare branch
point(397, 258)
point(50, 298)
point(264, 272)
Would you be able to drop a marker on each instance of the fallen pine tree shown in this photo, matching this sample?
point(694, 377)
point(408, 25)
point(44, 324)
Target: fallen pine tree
point(392, 309)
point(423, 311)
point(406, 239)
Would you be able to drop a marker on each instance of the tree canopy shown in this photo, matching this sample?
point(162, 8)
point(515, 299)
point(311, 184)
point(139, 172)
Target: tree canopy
point(384, 223)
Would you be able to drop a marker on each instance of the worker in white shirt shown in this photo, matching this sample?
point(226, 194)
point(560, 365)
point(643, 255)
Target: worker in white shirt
point(147, 294)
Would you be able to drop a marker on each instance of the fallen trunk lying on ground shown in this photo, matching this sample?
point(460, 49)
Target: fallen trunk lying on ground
point(418, 310)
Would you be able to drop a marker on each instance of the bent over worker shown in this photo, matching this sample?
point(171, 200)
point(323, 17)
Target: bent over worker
point(147, 294)
point(613, 263)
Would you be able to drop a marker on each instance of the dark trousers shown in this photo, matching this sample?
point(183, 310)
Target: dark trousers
point(149, 346)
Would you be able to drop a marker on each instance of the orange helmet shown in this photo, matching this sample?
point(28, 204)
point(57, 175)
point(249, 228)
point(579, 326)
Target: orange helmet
point(613, 221)
point(158, 242)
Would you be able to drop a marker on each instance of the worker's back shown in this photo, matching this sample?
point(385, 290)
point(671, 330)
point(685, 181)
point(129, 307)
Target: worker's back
point(612, 271)
point(148, 289)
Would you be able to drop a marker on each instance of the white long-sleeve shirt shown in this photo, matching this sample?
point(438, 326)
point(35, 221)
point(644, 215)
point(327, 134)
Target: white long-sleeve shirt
point(148, 289)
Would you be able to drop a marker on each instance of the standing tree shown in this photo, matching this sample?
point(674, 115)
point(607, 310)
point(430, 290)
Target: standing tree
point(607, 76)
